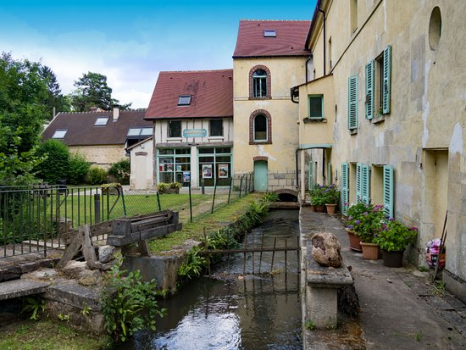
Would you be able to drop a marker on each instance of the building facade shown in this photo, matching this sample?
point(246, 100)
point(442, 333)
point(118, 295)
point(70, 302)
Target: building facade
point(384, 115)
point(192, 114)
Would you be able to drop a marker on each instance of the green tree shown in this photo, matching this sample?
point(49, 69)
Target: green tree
point(55, 99)
point(92, 91)
point(56, 161)
point(23, 91)
point(78, 169)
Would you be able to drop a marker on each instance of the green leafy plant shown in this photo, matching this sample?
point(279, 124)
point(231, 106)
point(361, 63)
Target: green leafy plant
point(56, 163)
point(310, 325)
point(121, 171)
point(163, 186)
point(97, 175)
point(64, 317)
point(128, 304)
point(270, 197)
point(366, 221)
point(33, 306)
point(193, 265)
point(86, 311)
point(393, 235)
point(77, 169)
point(331, 194)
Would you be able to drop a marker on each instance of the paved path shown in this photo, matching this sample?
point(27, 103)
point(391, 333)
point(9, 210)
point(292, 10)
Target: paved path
point(399, 308)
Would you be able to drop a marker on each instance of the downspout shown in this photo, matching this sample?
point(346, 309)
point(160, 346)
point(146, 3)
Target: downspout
point(323, 165)
point(325, 51)
point(297, 168)
point(307, 68)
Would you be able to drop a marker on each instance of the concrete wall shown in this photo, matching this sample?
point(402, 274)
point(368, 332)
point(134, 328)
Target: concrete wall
point(103, 156)
point(142, 166)
point(427, 114)
point(280, 153)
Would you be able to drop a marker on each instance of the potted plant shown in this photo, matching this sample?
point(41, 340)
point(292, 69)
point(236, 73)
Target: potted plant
point(172, 187)
point(331, 196)
point(318, 198)
point(366, 220)
point(393, 238)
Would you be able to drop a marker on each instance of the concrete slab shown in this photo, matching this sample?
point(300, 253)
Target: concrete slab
point(19, 288)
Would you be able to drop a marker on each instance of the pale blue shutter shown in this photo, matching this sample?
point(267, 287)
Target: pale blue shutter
point(329, 173)
point(388, 190)
point(365, 184)
point(358, 182)
point(352, 102)
point(311, 175)
point(387, 67)
point(370, 90)
point(344, 187)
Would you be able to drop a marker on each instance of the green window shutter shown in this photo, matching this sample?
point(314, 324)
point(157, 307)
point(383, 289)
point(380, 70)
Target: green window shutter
point(352, 102)
point(388, 190)
point(387, 67)
point(344, 187)
point(365, 183)
point(329, 173)
point(311, 175)
point(358, 182)
point(370, 90)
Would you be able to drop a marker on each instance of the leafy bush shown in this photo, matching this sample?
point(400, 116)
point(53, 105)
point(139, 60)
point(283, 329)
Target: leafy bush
point(270, 197)
point(192, 266)
point(96, 175)
point(56, 163)
point(121, 171)
point(128, 304)
point(366, 220)
point(78, 169)
point(324, 194)
point(394, 235)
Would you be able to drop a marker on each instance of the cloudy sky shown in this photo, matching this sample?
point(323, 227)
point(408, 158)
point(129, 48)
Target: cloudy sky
point(131, 41)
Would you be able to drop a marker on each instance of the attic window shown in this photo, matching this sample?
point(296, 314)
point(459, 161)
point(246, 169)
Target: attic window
point(59, 134)
point(184, 100)
point(269, 33)
point(139, 133)
point(101, 121)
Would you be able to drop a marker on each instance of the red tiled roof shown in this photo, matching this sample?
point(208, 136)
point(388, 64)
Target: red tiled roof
point(290, 40)
point(81, 130)
point(211, 91)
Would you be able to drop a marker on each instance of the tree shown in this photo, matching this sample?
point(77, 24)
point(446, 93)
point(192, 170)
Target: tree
point(23, 112)
point(55, 98)
point(56, 161)
point(93, 91)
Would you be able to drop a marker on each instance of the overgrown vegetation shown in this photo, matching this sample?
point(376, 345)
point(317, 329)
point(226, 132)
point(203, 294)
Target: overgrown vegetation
point(121, 171)
point(128, 304)
point(33, 307)
point(56, 161)
point(97, 176)
point(78, 168)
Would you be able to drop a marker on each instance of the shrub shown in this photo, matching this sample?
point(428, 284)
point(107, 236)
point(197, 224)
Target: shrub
point(97, 176)
point(121, 171)
point(78, 169)
point(128, 304)
point(395, 236)
point(56, 163)
point(366, 221)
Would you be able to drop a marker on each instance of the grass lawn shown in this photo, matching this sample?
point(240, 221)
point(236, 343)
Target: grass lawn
point(46, 335)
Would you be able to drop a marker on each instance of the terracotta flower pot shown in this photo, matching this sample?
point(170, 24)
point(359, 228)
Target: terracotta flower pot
point(320, 208)
point(331, 208)
point(370, 251)
point(393, 258)
point(313, 208)
point(354, 241)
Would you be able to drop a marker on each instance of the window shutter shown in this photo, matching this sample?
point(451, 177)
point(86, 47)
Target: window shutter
point(370, 90)
point(387, 67)
point(311, 175)
point(365, 183)
point(358, 182)
point(329, 173)
point(352, 102)
point(344, 187)
point(388, 190)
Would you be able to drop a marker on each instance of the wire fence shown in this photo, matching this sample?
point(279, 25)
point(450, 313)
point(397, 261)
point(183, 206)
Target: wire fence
point(35, 219)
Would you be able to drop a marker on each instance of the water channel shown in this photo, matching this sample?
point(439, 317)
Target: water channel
point(232, 310)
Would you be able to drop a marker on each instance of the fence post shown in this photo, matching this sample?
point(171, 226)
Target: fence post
point(158, 201)
point(240, 185)
point(190, 203)
point(229, 191)
point(213, 199)
point(123, 200)
point(97, 208)
point(246, 186)
point(202, 186)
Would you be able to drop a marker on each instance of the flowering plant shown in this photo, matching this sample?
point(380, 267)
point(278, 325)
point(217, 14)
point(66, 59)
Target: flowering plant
point(324, 194)
point(394, 235)
point(365, 220)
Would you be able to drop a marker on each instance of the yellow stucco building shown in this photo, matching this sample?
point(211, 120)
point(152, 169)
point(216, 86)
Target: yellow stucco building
point(383, 114)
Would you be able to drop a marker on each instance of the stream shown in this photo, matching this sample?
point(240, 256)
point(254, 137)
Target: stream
point(233, 310)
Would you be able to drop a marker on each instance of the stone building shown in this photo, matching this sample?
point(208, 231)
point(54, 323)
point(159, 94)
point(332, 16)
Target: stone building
point(384, 114)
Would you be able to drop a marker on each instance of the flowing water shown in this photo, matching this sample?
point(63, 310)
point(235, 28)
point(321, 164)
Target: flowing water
point(232, 310)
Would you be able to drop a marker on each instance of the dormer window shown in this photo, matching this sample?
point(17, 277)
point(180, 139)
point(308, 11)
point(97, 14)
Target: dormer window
point(101, 121)
point(184, 100)
point(59, 134)
point(270, 33)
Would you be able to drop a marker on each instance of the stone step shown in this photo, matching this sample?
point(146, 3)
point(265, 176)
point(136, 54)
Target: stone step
point(19, 288)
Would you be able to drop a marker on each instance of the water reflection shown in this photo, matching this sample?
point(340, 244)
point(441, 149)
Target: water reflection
point(235, 311)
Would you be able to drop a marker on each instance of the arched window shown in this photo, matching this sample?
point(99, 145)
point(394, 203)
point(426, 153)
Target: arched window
point(260, 128)
point(260, 125)
point(259, 83)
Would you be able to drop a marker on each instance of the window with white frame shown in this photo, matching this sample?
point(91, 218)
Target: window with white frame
point(59, 134)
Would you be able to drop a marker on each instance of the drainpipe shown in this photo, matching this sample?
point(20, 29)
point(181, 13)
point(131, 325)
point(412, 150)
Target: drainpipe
point(297, 168)
point(307, 68)
point(325, 55)
point(323, 165)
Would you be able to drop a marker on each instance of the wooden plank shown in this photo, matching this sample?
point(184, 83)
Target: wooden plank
point(88, 247)
point(71, 251)
point(118, 240)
